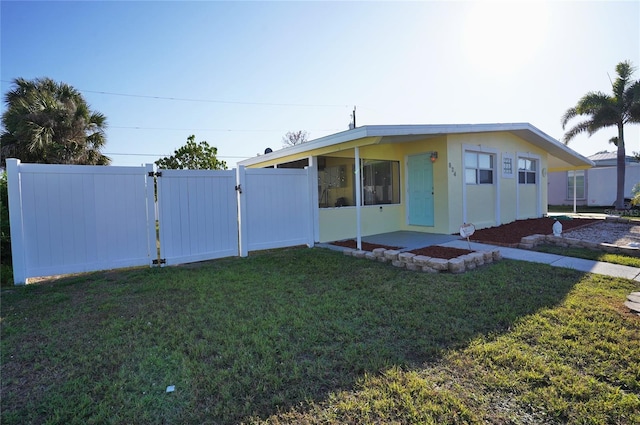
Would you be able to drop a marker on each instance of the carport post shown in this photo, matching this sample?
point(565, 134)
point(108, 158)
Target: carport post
point(358, 198)
point(574, 190)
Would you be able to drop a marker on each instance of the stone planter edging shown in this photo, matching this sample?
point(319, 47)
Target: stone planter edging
point(426, 264)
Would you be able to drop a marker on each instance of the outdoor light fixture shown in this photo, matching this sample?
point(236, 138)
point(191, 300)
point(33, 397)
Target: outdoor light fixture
point(434, 156)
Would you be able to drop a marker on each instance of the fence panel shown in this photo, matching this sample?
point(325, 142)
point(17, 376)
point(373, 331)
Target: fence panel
point(75, 218)
point(71, 218)
point(197, 215)
point(278, 208)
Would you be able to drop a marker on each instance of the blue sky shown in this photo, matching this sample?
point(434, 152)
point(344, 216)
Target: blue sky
point(241, 74)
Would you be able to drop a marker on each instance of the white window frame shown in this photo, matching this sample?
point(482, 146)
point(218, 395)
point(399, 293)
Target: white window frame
point(508, 165)
point(529, 170)
point(477, 168)
point(538, 183)
point(570, 174)
point(372, 198)
point(496, 181)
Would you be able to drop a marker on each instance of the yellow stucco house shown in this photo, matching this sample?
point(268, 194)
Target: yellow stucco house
point(426, 178)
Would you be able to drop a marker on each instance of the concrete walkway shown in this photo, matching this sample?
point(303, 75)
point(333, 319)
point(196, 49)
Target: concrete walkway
point(598, 267)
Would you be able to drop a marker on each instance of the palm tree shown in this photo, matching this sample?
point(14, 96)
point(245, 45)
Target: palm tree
point(603, 110)
point(49, 122)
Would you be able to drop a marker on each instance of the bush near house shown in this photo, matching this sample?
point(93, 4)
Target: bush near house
point(635, 192)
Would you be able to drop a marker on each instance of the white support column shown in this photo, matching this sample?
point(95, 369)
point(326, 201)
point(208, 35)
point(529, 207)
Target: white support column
point(312, 169)
point(16, 223)
point(243, 240)
point(574, 191)
point(358, 198)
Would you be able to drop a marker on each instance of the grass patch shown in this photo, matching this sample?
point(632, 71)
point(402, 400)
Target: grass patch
point(590, 254)
point(579, 209)
point(310, 335)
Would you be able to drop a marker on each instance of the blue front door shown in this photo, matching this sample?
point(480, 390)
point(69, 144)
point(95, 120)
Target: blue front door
point(420, 184)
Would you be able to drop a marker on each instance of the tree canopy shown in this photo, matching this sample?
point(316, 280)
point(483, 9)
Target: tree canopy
point(603, 110)
point(50, 122)
point(293, 138)
point(193, 156)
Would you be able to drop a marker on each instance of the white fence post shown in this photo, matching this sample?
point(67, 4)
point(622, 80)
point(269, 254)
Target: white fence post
point(151, 213)
point(16, 222)
point(243, 240)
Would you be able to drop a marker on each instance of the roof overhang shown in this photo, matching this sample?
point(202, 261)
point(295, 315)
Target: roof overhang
point(560, 156)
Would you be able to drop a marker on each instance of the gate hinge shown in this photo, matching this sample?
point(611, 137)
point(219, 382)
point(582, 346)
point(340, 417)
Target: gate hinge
point(152, 174)
point(161, 261)
point(239, 188)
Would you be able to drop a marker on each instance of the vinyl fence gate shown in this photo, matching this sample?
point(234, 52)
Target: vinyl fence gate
point(76, 218)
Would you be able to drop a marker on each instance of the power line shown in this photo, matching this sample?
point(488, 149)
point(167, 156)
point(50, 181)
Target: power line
point(227, 102)
point(163, 155)
point(208, 129)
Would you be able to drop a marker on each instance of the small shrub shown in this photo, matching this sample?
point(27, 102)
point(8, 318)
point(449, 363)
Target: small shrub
point(635, 193)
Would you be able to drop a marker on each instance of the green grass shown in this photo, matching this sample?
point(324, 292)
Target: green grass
point(632, 214)
point(312, 336)
point(579, 209)
point(589, 254)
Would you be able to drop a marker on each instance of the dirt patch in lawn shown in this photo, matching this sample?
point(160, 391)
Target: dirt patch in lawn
point(512, 233)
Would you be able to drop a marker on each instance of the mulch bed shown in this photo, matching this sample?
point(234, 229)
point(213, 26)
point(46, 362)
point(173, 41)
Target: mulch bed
point(512, 233)
point(505, 235)
point(433, 251)
point(443, 252)
point(351, 243)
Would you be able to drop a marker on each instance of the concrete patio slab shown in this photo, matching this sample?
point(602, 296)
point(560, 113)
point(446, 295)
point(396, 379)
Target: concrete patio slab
point(410, 240)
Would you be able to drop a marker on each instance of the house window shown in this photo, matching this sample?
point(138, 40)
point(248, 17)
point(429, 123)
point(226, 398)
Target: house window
point(478, 168)
point(380, 182)
point(507, 166)
point(335, 182)
point(579, 174)
point(526, 171)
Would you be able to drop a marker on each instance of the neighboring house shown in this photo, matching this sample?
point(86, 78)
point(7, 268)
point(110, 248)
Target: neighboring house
point(426, 178)
point(596, 186)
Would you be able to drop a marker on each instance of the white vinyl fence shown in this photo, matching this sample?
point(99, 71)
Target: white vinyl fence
point(197, 215)
point(73, 218)
point(275, 208)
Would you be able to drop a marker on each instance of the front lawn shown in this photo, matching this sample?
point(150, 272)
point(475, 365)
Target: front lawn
point(310, 335)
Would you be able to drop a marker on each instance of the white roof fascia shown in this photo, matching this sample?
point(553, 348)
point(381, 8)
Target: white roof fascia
point(553, 146)
point(524, 130)
point(332, 139)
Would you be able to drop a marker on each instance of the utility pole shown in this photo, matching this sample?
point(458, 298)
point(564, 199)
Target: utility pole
point(352, 124)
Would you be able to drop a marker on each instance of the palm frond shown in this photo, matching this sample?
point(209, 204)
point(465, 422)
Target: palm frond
point(51, 122)
point(579, 128)
point(632, 99)
point(570, 114)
